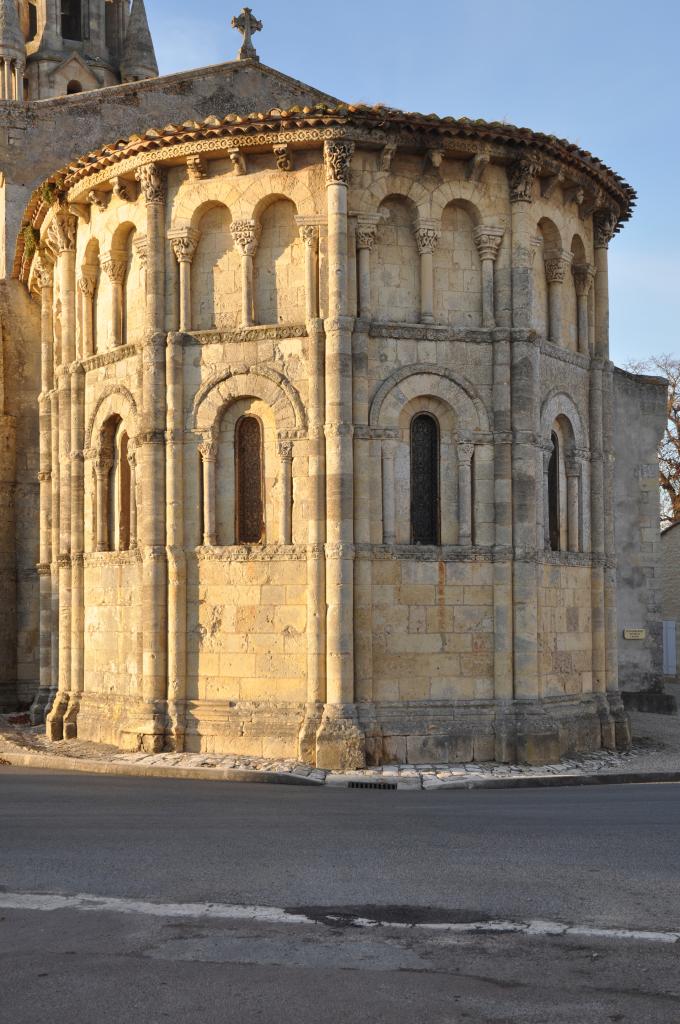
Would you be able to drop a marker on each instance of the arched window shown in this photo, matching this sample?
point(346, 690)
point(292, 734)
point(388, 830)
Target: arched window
point(114, 503)
point(424, 480)
point(32, 21)
point(71, 20)
point(249, 482)
point(554, 493)
point(73, 87)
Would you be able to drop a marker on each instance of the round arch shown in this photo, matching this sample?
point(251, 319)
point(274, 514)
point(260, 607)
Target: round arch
point(423, 379)
point(264, 383)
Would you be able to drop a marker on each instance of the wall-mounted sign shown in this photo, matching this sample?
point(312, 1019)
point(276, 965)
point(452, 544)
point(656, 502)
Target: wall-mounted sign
point(635, 634)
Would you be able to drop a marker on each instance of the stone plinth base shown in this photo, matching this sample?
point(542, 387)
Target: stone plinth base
point(655, 702)
point(125, 722)
point(340, 741)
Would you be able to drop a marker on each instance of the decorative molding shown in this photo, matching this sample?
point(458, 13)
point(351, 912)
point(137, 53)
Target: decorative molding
point(273, 332)
point(432, 332)
point(153, 183)
point(251, 553)
point(114, 355)
point(337, 159)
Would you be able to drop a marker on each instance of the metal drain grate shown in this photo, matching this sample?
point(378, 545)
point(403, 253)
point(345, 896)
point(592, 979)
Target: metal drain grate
point(372, 785)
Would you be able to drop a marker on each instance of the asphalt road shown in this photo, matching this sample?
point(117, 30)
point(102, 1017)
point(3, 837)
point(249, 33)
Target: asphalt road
point(605, 858)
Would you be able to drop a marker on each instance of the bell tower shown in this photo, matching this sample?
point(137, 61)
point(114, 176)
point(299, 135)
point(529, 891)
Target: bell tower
point(75, 46)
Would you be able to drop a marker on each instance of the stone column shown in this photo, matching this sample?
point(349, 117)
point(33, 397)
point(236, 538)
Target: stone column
point(151, 524)
point(77, 550)
point(556, 263)
point(573, 471)
point(87, 285)
point(339, 740)
point(44, 280)
point(544, 527)
point(597, 547)
point(604, 226)
point(132, 462)
point(286, 511)
point(19, 72)
point(54, 545)
point(427, 239)
point(309, 233)
point(103, 465)
point(466, 451)
point(388, 493)
point(502, 565)
point(184, 244)
point(246, 236)
point(177, 572)
point(488, 241)
point(521, 177)
point(208, 451)
point(114, 266)
point(367, 229)
point(583, 280)
point(62, 237)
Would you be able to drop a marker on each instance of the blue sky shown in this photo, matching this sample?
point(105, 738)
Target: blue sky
point(603, 74)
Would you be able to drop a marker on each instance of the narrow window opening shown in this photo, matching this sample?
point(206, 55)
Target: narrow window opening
point(32, 22)
point(554, 493)
point(249, 483)
point(424, 480)
point(73, 87)
point(71, 20)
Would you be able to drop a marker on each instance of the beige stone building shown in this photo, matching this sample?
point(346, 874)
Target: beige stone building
point(326, 414)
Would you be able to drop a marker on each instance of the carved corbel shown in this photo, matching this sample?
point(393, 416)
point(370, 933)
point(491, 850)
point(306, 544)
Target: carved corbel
point(81, 211)
point(238, 161)
point(99, 199)
point(591, 202)
point(605, 224)
point(284, 158)
point(522, 173)
point(387, 155)
point(434, 158)
point(551, 183)
point(474, 170)
point(124, 189)
point(575, 195)
point(197, 168)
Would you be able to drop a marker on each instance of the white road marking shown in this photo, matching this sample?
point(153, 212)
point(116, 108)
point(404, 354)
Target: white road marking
point(277, 915)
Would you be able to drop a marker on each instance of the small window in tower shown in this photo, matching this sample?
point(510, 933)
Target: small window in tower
point(32, 22)
point(73, 87)
point(71, 20)
point(424, 480)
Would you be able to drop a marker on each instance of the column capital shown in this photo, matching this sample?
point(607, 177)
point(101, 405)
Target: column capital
point(208, 450)
point(488, 241)
point(309, 233)
point(246, 236)
point(427, 236)
point(337, 154)
point(466, 450)
point(572, 466)
point(87, 282)
point(584, 274)
point(61, 234)
point(605, 224)
point(103, 463)
point(114, 265)
point(184, 243)
point(152, 180)
point(366, 234)
point(556, 263)
point(43, 271)
point(522, 173)
point(285, 449)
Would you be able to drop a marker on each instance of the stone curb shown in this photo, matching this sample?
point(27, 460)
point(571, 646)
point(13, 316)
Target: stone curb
point(122, 770)
point(71, 764)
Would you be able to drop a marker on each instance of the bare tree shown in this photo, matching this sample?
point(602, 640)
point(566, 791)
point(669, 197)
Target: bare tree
point(669, 450)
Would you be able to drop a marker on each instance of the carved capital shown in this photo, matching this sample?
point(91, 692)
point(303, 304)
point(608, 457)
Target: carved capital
point(43, 271)
point(466, 450)
point(605, 223)
point(521, 176)
point(286, 451)
point(184, 242)
point(208, 450)
point(152, 180)
point(245, 234)
point(114, 266)
point(556, 263)
point(103, 463)
point(572, 467)
point(584, 275)
point(197, 167)
point(141, 247)
point(62, 232)
point(284, 159)
point(238, 161)
point(427, 237)
point(337, 158)
point(366, 235)
point(87, 282)
point(309, 234)
point(488, 241)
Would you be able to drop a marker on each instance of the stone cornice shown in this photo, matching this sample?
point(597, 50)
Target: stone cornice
point(565, 355)
point(274, 332)
point(114, 355)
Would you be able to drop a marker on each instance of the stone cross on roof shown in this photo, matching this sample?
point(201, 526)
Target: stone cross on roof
point(247, 26)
